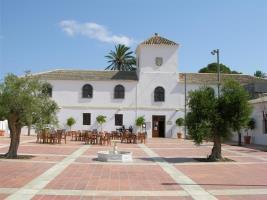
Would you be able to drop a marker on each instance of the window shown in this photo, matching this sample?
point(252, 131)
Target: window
point(119, 92)
point(118, 119)
point(86, 118)
point(159, 94)
point(87, 91)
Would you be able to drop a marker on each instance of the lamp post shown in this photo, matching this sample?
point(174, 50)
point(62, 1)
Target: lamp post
point(217, 52)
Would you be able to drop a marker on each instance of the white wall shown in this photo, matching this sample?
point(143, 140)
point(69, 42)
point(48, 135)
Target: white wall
point(4, 125)
point(258, 135)
point(69, 93)
point(146, 55)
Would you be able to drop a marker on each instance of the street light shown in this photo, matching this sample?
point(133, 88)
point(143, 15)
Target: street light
point(217, 52)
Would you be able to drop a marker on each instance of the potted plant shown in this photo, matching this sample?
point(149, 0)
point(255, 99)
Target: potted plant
point(101, 119)
point(2, 132)
point(179, 122)
point(250, 125)
point(70, 122)
point(139, 122)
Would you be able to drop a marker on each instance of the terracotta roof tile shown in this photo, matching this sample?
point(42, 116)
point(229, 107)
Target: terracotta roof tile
point(158, 40)
point(87, 75)
point(211, 78)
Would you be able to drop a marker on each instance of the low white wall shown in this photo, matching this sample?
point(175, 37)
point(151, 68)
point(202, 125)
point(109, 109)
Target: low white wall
point(257, 135)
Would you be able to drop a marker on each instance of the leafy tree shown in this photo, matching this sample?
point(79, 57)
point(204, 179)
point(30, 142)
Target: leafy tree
point(70, 122)
point(214, 118)
point(259, 74)
point(101, 119)
point(121, 59)
point(21, 99)
point(212, 68)
point(234, 102)
point(179, 121)
point(251, 125)
point(139, 122)
point(45, 118)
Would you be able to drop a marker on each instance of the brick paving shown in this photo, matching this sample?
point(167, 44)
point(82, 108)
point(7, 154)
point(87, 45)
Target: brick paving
point(81, 176)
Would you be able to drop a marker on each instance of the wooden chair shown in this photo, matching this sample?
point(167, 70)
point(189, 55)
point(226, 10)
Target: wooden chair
point(116, 135)
point(61, 134)
point(141, 137)
point(126, 137)
point(39, 137)
point(86, 137)
point(105, 138)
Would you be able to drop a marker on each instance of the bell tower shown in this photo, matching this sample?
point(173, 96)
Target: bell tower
point(157, 54)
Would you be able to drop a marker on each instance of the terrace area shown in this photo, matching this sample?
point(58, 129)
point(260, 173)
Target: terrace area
point(161, 169)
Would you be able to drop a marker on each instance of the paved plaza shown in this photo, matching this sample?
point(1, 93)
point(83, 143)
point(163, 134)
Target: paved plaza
point(161, 169)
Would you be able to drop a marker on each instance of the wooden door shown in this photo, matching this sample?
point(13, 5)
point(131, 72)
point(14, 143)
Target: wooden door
point(158, 126)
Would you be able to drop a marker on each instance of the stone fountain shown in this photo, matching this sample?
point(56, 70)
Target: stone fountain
point(114, 155)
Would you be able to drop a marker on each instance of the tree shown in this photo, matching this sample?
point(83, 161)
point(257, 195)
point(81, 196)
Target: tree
point(70, 122)
point(259, 74)
point(42, 120)
point(212, 68)
point(179, 121)
point(139, 122)
point(121, 59)
point(22, 98)
point(214, 118)
point(101, 119)
point(251, 125)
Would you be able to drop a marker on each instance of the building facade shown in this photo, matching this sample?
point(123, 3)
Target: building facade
point(156, 91)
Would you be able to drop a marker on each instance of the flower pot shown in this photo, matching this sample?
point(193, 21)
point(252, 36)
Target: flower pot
point(179, 135)
point(2, 132)
point(247, 139)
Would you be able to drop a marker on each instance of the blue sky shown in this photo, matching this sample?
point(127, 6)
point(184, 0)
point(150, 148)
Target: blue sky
point(77, 34)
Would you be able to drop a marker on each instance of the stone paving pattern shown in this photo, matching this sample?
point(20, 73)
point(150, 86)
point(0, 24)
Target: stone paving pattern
point(161, 169)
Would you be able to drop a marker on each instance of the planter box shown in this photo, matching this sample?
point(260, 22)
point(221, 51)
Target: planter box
point(2, 132)
point(179, 135)
point(247, 139)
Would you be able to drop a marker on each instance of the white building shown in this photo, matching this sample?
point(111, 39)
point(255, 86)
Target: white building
point(156, 91)
point(259, 134)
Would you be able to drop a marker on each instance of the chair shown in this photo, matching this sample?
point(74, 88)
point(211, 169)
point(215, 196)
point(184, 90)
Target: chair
point(87, 135)
point(116, 135)
point(61, 134)
point(142, 137)
point(126, 137)
point(105, 138)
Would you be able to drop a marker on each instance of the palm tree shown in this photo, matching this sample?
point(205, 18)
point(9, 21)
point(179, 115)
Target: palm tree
point(121, 59)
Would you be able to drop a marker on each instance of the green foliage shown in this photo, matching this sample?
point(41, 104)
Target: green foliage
point(140, 121)
point(101, 119)
point(200, 119)
point(212, 68)
point(212, 117)
point(22, 102)
point(234, 106)
point(121, 59)
point(180, 121)
point(71, 121)
point(251, 124)
point(24, 97)
point(259, 74)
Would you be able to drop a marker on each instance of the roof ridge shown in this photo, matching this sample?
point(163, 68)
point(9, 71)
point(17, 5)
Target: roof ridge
point(220, 73)
point(158, 40)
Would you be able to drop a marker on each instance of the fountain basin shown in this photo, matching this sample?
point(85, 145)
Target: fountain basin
point(111, 156)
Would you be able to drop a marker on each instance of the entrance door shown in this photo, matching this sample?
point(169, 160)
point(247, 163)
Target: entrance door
point(158, 124)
